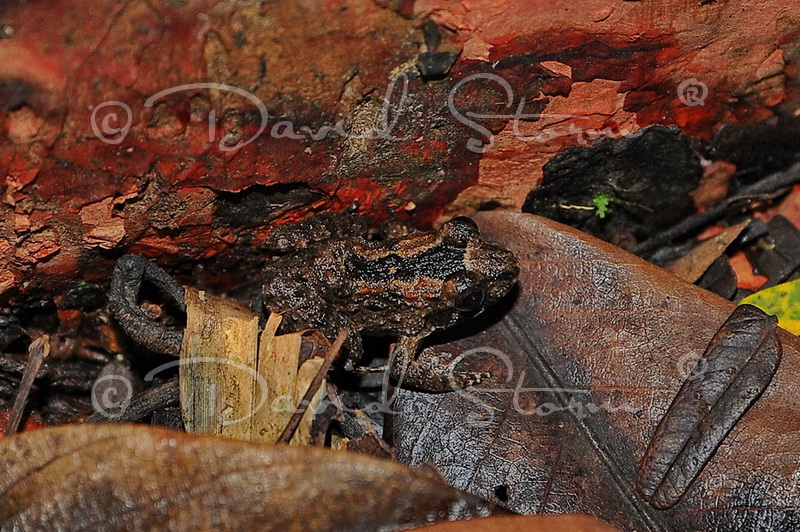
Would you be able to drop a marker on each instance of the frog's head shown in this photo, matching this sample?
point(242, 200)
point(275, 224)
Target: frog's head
point(486, 273)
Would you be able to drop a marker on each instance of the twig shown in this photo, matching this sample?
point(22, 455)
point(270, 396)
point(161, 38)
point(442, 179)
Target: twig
point(316, 382)
point(770, 184)
point(37, 352)
point(144, 404)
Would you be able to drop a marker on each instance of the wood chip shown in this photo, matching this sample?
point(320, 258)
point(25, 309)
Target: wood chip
point(237, 382)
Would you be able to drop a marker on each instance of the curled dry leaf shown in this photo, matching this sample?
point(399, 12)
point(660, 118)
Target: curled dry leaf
point(585, 363)
point(730, 376)
point(125, 477)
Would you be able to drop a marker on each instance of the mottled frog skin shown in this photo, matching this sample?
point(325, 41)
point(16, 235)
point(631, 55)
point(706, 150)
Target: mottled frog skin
point(405, 285)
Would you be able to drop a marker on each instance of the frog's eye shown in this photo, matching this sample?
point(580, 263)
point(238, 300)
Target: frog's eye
point(460, 231)
point(464, 290)
point(471, 301)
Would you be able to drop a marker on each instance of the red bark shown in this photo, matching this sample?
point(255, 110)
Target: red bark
point(69, 195)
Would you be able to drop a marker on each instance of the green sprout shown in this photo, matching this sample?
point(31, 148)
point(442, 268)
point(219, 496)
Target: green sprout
point(600, 203)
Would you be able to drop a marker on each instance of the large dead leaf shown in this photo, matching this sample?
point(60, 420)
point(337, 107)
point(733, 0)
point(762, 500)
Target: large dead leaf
point(584, 365)
point(529, 523)
point(130, 477)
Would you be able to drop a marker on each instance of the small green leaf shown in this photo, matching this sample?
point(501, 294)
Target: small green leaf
point(600, 203)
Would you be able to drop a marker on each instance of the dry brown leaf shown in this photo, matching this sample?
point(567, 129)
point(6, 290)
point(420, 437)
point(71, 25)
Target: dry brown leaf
point(746, 277)
point(585, 362)
point(529, 523)
point(370, 441)
point(133, 477)
point(714, 184)
point(694, 264)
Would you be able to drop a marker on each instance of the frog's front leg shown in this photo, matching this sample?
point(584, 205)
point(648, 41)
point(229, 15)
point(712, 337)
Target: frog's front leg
point(433, 373)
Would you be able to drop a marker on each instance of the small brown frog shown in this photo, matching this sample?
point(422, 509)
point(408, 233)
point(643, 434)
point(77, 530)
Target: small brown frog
point(403, 285)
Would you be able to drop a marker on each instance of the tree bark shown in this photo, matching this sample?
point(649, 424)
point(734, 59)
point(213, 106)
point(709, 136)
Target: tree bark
point(100, 159)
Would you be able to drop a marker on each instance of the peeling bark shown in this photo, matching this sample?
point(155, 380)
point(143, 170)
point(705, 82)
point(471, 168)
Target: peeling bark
point(86, 179)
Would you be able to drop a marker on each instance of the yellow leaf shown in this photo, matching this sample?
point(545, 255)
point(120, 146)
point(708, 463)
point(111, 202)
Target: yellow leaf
point(783, 301)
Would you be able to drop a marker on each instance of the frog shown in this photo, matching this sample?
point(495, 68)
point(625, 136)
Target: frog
point(330, 275)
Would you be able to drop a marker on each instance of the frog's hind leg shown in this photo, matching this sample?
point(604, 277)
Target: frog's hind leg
point(428, 371)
